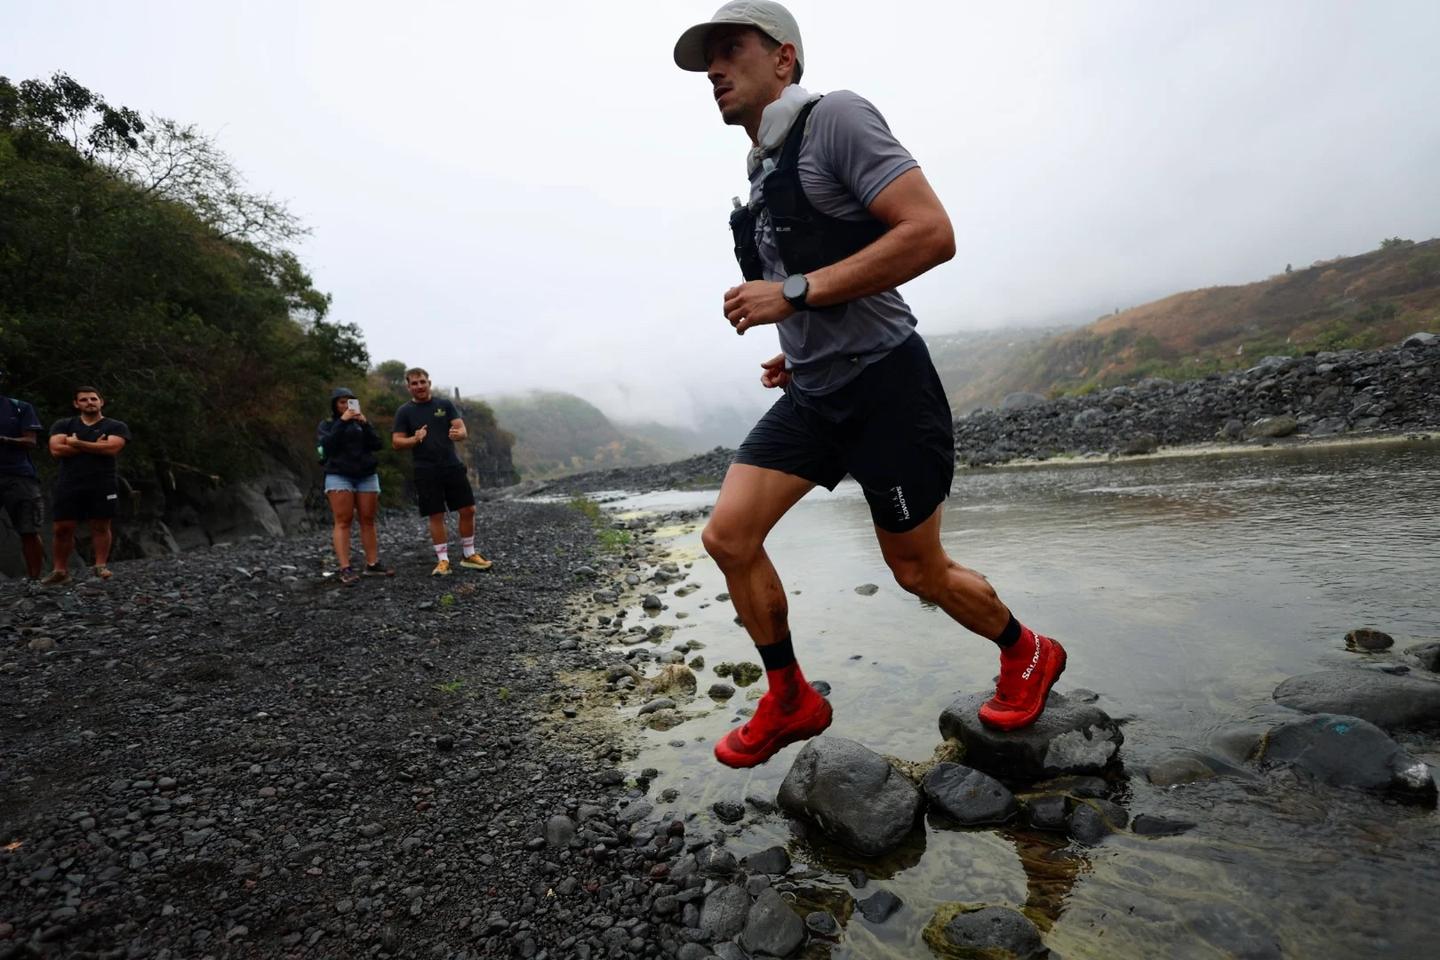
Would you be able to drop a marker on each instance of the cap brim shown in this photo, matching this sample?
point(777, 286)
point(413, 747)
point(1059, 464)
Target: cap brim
point(690, 48)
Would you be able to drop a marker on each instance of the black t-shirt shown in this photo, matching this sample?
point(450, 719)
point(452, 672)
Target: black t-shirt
point(17, 418)
point(437, 449)
point(86, 468)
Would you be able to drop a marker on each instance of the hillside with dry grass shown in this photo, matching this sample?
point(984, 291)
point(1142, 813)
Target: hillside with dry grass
point(1359, 302)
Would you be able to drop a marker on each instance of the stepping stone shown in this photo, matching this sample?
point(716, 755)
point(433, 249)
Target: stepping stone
point(852, 794)
point(1069, 737)
point(1392, 702)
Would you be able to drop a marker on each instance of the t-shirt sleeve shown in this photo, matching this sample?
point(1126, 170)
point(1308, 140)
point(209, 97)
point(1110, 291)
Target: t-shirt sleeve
point(451, 411)
point(117, 428)
point(29, 419)
point(61, 427)
point(852, 143)
point(402, 421)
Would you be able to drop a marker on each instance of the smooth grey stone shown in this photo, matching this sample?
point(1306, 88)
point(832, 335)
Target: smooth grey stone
point(1347, 752)
point(1093, 820)
point(852, 794)
point(968, 796)
point(994, 929)
point(1386, 701)
point(1151, 826)
point(1069, 737)
point(1048, 812)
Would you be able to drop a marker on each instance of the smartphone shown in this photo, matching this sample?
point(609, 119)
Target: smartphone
point(353, 404)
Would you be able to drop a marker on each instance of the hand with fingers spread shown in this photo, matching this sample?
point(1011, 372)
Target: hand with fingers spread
point(754, 303)
point(774, 373)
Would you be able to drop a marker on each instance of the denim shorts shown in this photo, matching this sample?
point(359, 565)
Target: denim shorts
point(334, 482)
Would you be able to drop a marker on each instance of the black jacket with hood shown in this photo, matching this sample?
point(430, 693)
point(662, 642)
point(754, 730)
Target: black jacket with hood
point(348, 446)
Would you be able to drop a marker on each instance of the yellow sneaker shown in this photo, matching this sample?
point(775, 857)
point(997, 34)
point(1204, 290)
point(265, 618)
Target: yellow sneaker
point(442, 569)
point(475, 562)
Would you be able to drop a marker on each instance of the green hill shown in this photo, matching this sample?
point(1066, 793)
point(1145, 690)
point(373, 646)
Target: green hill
point(558, 433)
point(1361, 302)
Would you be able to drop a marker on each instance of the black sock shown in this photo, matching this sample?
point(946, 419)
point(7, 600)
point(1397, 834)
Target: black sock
point(1010, 634)
point(778, 656)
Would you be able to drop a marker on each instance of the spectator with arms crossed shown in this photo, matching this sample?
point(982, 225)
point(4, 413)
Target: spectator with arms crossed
point(86, 445)
point(429, 428)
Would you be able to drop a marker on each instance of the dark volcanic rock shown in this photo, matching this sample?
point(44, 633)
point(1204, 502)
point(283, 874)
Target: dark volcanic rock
point(1384, 700)
point(981, 931)
point(772, 928)
point(852, 794)
point(1069, 737)
point(967, 796)
point(878, 907)
point(1347, 752)
point(1369, 640)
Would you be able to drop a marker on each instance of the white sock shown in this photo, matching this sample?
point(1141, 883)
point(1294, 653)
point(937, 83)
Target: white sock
point(467, 544)
point(442, 551)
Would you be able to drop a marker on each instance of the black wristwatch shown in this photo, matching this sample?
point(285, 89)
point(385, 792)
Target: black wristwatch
point(795, 289)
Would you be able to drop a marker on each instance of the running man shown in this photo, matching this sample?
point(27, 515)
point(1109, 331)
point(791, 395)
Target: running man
point(88, 488)
point(839, 216)
point(429, 427)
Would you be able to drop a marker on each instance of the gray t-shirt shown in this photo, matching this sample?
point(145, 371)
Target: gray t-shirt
point(847, 157)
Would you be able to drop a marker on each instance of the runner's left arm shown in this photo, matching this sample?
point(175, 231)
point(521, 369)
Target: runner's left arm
point(110, 446)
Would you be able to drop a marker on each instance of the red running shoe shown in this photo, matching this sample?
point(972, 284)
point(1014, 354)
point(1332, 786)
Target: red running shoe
point(774, 727)
point(1027, 672)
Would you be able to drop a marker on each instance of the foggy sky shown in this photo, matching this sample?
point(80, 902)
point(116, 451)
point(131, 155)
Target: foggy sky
point(533, 195)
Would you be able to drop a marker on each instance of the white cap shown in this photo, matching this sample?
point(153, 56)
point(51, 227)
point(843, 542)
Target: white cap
point(768, 17)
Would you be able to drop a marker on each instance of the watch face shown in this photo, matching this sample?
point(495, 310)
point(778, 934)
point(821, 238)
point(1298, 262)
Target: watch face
point(796, 286)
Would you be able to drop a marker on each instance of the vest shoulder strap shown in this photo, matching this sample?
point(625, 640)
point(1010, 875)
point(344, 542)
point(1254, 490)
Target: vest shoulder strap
point(790, 152)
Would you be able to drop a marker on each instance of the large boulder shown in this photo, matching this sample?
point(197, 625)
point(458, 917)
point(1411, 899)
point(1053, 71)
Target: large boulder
point(967, 796)
point(1281, 426)
point(976, 930)
point(852, 794)
point(1069, 737)
point(1346, 752)
point(723, 914)
point(1383, 699)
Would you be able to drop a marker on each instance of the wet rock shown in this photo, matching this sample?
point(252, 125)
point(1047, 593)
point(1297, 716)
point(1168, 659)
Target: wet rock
point(720, 691)
point(1428, 654)
point(651, 602)
point(723, 914)
point(771, 860)
point(1050, 812)
point(879, 906)
point(1069, 737)
point(1177, 770)
point(1092, 820)
point(967, 796)
point(1386, 701)
point(1231, 931)
point(852, 794)
point(867, 589)
point(822, 924)
point(1147, 825)
point(746, 673)
point(661, 703)
point(983, 931)
point(772, 928)
point(1368, 640)
point(727, 811)
point(1347, 752)
point(672, 677)
point(559, 831)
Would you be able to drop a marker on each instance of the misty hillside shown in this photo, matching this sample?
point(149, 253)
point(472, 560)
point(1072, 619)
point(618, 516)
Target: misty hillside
point(971, 364)
point(1360, 302)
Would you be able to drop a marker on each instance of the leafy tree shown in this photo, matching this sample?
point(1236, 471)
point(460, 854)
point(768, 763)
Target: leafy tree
point(132, 257)
point(1393, 243)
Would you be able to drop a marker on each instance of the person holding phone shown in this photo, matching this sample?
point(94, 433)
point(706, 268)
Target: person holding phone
point(347, 445)
point(429, 427)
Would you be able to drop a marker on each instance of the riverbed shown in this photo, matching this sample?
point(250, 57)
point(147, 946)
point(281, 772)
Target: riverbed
point(1185, 590)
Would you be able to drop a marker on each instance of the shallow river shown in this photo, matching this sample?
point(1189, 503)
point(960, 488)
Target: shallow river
point(1185, 590)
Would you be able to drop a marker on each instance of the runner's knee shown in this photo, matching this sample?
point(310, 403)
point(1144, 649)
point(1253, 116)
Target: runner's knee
point(727, 545)
point(923, 579)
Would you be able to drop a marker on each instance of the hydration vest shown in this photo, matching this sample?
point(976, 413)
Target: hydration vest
point(807, 238)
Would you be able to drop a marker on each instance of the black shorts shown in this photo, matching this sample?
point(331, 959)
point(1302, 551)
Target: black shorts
point(889, 428)
point(20, 497)
point(445, 488)
point(91, 500)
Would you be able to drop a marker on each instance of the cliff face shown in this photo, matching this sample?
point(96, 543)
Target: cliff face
point(487, 454)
